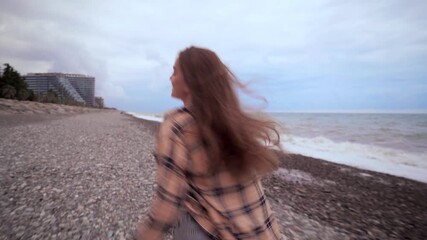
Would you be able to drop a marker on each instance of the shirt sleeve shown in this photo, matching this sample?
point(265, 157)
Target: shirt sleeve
point(172, 187)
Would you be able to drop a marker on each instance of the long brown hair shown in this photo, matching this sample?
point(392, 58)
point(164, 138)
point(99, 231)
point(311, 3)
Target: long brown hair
point(234, 139)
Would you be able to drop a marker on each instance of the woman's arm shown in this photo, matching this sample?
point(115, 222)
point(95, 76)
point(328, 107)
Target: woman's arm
point(172, 186)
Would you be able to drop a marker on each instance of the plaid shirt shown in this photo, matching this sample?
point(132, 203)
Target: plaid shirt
point(224, 207)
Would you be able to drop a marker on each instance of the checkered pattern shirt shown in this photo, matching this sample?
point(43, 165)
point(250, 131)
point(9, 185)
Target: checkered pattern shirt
point(224, 207)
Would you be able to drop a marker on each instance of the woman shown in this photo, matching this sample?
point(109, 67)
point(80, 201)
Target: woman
point(210, 158)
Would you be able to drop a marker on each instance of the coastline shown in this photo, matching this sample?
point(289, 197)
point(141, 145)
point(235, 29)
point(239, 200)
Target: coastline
point(361, 155)
point(89, 173)
point(318, 199)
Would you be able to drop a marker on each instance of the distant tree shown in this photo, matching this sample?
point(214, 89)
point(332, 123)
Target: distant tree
point(31, 95)
point(51, 97)
point(8, 91)
point(99, 102)
point(9, 79)
point(23, 94)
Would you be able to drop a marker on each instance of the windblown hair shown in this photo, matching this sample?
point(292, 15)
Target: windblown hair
point(234, 139)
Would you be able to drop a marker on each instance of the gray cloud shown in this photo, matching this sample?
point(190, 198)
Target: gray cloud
point(292, 50)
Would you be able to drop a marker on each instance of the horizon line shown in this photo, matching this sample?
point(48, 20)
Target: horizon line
point(357, 111)
point(360, 111)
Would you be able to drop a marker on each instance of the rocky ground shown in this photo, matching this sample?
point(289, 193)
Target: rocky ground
point(354, 203)
point(89, 174)
point(12, 107)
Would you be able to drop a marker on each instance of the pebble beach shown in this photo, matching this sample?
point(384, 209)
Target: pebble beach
point(81, 173)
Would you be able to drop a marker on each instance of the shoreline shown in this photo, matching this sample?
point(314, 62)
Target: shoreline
point(391, 167)
point(90, 174)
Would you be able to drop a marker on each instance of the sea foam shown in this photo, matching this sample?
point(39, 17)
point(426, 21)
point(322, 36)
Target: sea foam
point(148, 116)
point(375, 158)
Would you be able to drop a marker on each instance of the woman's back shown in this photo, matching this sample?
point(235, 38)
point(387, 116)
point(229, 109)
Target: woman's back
point(222, 204)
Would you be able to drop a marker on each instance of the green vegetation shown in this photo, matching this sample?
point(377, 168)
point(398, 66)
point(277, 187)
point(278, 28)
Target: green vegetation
point(13, 86)
point(53, 97)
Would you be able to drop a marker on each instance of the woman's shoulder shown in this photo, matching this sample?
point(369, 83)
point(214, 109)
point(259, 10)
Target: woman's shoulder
point(177, 119)
point(170, 113)
point(177, 113)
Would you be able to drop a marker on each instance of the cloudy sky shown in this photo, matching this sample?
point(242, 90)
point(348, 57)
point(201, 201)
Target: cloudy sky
point(301, 55)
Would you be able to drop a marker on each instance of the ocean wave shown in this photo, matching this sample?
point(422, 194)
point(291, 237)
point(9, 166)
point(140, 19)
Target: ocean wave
point(381, 159)
point(148, 116)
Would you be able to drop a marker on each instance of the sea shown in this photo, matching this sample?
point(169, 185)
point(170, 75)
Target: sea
point(392, 143)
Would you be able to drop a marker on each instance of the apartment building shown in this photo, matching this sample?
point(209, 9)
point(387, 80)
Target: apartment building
point(78, 87)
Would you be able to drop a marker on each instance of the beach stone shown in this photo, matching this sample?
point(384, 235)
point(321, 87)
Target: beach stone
point(92, 176)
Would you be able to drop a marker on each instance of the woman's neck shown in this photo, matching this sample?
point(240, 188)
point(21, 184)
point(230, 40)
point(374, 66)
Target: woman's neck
point(187, 101)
